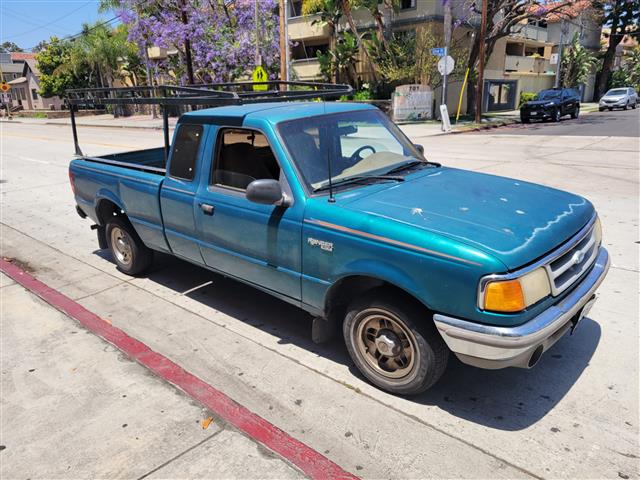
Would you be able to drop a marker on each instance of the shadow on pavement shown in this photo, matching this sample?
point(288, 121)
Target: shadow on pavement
point(509, 399)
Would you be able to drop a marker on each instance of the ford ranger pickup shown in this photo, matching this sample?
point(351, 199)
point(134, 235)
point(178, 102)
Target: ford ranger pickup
point(330, 207)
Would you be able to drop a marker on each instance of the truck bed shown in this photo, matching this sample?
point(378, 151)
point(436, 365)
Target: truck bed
point(149, 160)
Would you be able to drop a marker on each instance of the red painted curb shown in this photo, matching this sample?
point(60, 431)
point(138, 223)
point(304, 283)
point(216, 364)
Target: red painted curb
point(311, 462)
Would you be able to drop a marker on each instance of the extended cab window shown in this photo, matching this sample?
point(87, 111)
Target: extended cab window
point(242, 157)
point(185, 151)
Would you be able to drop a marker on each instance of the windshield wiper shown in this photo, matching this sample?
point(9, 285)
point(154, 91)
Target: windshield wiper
point(411, 164)
point(358, 179)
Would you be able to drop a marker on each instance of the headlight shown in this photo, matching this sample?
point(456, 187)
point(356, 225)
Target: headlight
point(517, 294)
point(597, 230)
point(550, 104)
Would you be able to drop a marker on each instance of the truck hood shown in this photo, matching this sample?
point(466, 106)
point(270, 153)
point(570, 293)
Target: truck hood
point(514, 221)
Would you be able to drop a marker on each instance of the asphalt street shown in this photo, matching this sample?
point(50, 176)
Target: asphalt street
point(574, 415)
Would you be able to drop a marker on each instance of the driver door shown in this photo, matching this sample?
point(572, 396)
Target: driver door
point(260, 244)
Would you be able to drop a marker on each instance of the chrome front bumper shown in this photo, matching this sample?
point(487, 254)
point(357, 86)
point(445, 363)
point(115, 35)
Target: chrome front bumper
point(488, 346)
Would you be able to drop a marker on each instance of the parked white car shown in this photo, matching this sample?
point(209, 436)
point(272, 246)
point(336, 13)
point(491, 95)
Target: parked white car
point(624, 97)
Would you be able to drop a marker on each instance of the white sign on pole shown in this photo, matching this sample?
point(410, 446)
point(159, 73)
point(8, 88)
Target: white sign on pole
point(553, 60)
point(445, 65)
point(444, 115)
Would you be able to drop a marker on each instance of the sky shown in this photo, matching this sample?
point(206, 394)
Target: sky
point(27, 22)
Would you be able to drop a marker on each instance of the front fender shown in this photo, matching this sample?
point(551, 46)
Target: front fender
point(379, 270)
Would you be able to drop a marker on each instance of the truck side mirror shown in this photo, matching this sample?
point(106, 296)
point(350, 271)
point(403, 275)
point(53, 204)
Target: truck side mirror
point(419, 147)
point(267, 192)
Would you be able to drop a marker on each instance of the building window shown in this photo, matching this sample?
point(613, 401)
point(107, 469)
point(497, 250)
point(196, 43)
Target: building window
point(34, 93)
point(406, 4)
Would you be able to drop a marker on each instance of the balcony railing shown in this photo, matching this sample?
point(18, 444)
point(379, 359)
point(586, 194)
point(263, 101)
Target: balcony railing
point(538, 65)
point(529, 31)
point(304, 28)
point(307, 69)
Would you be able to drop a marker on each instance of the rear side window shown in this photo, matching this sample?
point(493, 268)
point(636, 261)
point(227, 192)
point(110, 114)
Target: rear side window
point(242, 157)
point(185, 151)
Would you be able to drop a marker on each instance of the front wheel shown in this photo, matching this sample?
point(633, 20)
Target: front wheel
point(556, 115)
point(130, 254)
point(384, 341)
point(576, 113)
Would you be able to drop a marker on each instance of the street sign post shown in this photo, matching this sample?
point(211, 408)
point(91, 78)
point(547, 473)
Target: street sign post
point(438, 52)
point(259, 75)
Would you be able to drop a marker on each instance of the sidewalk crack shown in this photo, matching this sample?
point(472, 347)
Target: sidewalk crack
point(201, 442)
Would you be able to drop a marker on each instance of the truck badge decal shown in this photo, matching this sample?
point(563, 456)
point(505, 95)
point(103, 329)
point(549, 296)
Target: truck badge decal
point(326, 246)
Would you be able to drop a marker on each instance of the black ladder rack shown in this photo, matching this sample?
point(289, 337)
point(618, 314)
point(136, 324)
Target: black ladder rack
point(198, 96)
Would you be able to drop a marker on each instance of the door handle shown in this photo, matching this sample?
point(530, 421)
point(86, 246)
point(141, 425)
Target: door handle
point(206, 208)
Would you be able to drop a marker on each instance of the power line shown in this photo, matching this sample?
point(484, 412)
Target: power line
point(83, 32)
point(51, 22)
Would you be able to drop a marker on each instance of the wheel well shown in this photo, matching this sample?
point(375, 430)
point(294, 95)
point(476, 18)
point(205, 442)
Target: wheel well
point(105, 209)
point(347, 289)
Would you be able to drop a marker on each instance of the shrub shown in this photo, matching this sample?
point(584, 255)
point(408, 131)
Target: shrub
point(526, 97)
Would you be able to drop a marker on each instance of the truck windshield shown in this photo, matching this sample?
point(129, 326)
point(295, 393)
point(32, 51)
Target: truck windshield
point(359, 143)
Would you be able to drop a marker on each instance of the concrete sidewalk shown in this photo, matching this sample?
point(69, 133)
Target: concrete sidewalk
point(73, 406)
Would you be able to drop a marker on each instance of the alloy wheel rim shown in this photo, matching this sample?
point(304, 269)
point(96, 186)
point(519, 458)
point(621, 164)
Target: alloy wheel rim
point(386, 345)
point(121, 246)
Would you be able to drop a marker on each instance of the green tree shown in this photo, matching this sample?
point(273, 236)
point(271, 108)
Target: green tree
point(55, 76)
point(341, 61)
point(622, 17)
point(7, 47)
point(577, 63)
point(628, 75)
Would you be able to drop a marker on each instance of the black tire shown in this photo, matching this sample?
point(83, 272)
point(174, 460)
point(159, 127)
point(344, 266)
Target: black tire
point(429, 353)
point(611, 109)
point(131, 255)
point(626, 106)
point(601, 109)
point(525, 119)
point(634, 106)
point(557, 115)
point(576, 113)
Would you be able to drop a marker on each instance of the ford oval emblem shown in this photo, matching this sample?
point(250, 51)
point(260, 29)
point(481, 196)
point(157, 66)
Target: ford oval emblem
point(578, 257)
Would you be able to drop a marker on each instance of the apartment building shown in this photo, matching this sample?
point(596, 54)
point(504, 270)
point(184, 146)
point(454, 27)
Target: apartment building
point(524, 61)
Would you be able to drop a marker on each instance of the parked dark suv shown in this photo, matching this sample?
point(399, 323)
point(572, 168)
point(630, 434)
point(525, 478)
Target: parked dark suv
point(551, 104)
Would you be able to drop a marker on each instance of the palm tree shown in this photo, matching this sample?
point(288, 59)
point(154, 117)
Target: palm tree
point(577, 63)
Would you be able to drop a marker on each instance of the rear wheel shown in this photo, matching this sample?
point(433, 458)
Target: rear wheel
point(384, 341)
point(576, 113)
point(525, 119)
point(130, 254)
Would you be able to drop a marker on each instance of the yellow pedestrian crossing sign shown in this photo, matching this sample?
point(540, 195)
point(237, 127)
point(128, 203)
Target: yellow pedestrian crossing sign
point(260, 75)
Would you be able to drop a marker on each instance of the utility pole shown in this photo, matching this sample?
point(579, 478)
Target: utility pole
point(447, 41)
point(284, 50)
point(480, 86)
point(563, 30)
point(187, 43)
point(258, 57)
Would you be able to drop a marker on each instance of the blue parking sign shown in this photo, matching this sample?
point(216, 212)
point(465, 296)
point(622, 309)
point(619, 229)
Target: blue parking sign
point(438, 52)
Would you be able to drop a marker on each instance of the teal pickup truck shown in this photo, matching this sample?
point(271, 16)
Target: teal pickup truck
point(330, 207)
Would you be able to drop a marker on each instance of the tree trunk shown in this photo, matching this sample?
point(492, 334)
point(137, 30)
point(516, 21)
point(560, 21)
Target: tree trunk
point(346, 8)
point(471, 64)
point(607, 66)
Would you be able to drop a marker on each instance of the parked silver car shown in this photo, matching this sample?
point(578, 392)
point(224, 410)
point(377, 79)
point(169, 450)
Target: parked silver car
point(624, 97)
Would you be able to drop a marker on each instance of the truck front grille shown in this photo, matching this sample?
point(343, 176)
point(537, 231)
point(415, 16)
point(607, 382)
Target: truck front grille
point(566, 269)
